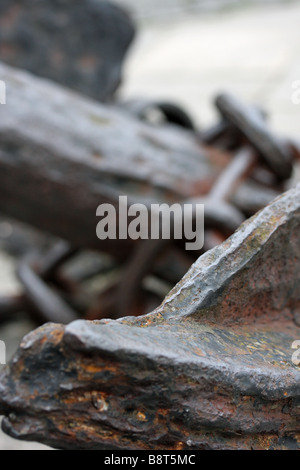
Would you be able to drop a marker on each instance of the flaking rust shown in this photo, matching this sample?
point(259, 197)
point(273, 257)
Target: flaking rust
point(211, 368)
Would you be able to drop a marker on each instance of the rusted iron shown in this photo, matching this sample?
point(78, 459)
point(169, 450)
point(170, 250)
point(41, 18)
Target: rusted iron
point(81, 47)
point(226, 131)
point(42, 298)
point(83, 166)
point(211, 368)
point(236, 171)
point(251, 124)
point(63, 148)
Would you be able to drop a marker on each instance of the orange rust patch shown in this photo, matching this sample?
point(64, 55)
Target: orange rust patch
point(179, 446)
point(94, 369)
point(141, 416)
point(163, 412)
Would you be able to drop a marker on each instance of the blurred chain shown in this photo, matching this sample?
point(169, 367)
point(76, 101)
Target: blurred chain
point(260, 161)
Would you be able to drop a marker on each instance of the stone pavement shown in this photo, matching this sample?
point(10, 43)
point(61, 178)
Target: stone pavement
point(253, 52)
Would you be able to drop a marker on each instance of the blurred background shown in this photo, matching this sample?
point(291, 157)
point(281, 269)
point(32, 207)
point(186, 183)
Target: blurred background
point(188, 51)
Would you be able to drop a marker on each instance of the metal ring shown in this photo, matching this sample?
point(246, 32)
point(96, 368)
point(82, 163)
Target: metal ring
point(251, 124)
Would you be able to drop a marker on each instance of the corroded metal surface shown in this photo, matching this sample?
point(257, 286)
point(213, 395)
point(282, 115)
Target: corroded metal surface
point(252, 125)
point(209, 369)
point(75, 154)
point(61, 156)
point(81, 45)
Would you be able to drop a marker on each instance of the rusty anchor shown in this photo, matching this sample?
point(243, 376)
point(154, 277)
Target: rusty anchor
point(211, 368)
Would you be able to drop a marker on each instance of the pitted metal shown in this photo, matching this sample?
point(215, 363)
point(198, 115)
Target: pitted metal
point(211, 368)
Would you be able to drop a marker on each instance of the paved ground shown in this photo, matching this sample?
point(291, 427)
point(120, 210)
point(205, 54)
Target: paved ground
point(254, 52)
point(166, 8)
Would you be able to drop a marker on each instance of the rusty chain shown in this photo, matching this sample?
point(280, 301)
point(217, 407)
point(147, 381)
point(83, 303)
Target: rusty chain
point(255, 154)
